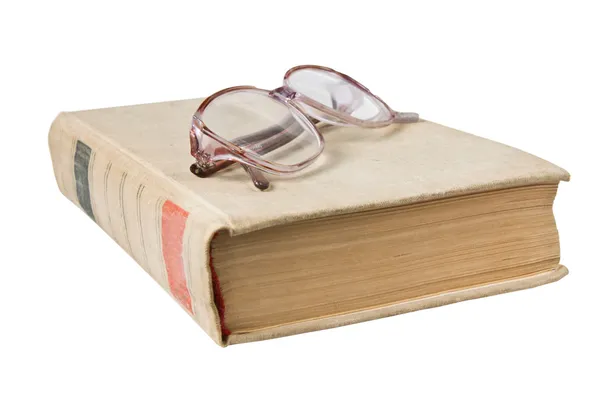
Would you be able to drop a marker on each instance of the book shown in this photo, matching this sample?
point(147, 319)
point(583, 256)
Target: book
point(387, 221)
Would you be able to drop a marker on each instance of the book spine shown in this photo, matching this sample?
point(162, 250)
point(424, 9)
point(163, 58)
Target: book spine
point(166, 232)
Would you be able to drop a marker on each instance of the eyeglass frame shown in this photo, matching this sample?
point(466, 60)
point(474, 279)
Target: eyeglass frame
point(211, 158)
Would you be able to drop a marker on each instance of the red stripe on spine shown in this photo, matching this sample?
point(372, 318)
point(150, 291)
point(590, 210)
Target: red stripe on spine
point(217, 293)
point(172, 229)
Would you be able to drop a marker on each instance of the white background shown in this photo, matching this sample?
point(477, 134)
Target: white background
point(78, 318)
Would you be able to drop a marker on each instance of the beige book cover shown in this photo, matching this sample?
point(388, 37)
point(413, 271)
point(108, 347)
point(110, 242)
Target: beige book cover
point(127, 168)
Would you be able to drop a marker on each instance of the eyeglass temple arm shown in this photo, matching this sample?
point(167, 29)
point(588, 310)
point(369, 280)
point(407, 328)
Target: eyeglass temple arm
point(406, 117)
point(258, 179)
point(269, 133)
point(274, 140)
point(269, 139)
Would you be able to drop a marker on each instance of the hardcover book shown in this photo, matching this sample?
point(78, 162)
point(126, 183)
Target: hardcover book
point(386, 221)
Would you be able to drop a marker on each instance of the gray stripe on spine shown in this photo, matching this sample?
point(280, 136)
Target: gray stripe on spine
point(82, 183)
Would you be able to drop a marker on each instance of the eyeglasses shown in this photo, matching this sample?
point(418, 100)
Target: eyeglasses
point(275, 131)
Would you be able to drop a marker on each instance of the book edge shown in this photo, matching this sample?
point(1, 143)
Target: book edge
point(245, 226)
point(438, 300)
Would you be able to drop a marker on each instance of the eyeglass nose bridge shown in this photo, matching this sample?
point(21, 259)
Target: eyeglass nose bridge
point(283, 93)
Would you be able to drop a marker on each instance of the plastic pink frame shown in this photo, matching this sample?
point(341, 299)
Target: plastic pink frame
point(213, 152)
